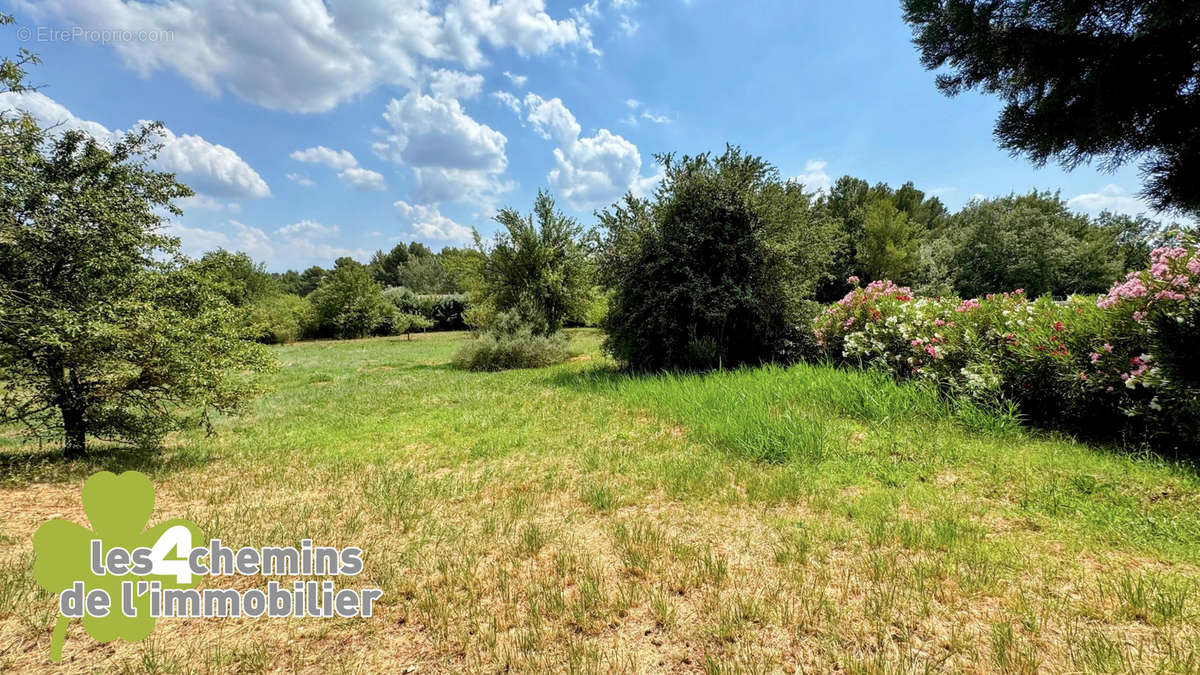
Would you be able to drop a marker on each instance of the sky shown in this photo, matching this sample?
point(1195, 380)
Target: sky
point(314, 129)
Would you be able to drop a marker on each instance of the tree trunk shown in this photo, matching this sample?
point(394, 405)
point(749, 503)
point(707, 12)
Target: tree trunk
point(75, 446)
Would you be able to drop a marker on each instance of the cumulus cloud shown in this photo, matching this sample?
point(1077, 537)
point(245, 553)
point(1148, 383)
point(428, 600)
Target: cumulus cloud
point(455, 84)
point(814, 176)
point(299, 244)
point(334, 159)
point(453, 157)
point(1111, 198)
point(363, 179)
point(508, 101)
point(427, 222)
point(311, 55)
point(589, 171)
point(210, 169)
point(300, 179)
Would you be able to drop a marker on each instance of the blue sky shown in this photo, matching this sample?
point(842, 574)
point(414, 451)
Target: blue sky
point(315, 129)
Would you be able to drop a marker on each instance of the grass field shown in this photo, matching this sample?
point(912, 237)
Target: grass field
point(573, 519)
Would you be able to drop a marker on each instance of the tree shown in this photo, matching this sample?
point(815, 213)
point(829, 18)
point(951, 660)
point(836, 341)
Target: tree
point(104, 330)
point(889, 247)
point(1033, 242)
point(1112, 80)
point(717, 270)
point(538, 267)
point(237, 276)
point(349, 303)
point(386, 268)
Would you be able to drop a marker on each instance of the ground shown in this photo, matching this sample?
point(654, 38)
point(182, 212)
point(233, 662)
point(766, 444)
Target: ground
point(573, 519)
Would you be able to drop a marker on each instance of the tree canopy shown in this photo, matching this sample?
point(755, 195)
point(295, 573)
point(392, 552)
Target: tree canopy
point(1111, 80)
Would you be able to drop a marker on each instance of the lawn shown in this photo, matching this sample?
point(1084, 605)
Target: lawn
point(571, 518)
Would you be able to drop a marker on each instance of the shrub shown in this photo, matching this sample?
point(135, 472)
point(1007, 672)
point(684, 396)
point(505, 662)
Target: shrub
point(1123, 363)
point(715, 270)
point(279, 319)
point(511, 343)
point(445, 311)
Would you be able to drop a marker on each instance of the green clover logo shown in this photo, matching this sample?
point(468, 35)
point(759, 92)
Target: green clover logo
point(118, 508)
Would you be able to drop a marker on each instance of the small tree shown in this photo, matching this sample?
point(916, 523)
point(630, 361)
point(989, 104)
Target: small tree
point(349, 303)
point(717, 269)
point(889, 247)
point(104, 330)
point(538, 267)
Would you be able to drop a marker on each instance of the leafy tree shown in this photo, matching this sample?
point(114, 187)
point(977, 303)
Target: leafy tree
point(717, 270)
point(538, 267)
point(386, 267)
point(237, 276)
point(104, 330)
point(889, 247)
point(1091, 79)
point(349, 303)
point(12, 70)
point(1033, 242)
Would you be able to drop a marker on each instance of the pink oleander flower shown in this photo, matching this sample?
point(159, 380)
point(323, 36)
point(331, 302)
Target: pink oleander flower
point(932, 351)
point(915, 343)
point(1058, 326)
point(1139, 316)
point(1193, 266)
point(853, 280)
point(1083, 377)
point(939, 322)
point(1108, 348)
point(968, 305)
point(848, 322)
point(1094, 356)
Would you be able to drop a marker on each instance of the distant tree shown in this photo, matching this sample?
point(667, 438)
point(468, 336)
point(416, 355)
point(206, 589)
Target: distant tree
point(310, 279)
point(289, 282)
point(717, 270)
point(237, 276)
point(1134, 237)
point(349, 303)
point(104, 330)
point(386, 267)
point(537, 267)
point(889, 247)
point(1111, 80)
point(1033, 242)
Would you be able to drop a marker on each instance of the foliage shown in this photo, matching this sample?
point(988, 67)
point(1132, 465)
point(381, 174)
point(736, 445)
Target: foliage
point(1033, 242)
point(237, 277)
point(1080, 81)
point(279, 318)
point(889, 242)
point(350, 304)
point(509, 343)
point(537, 267)
point(104, 330)
point(715, 270)
point(1122, 363)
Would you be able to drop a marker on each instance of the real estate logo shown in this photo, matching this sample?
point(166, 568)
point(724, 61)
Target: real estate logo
point(120, 577)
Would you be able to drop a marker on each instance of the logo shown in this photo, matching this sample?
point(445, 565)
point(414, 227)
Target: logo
point(120, 577)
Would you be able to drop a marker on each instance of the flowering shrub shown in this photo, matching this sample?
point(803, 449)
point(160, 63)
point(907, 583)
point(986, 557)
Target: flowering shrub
point(1093, 364)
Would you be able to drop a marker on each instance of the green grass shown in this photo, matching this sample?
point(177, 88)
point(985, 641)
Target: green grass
point(572, 517)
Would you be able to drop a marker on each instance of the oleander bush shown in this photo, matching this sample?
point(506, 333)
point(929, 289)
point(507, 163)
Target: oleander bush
point(1121, 364)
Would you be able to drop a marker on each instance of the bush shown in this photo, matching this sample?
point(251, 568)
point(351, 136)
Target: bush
point(445, 311)
point(715, 271)
point(510, 343)
point(1121, 364)
point(279, 319)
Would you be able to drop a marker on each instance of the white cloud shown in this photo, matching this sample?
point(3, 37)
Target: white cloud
point(334, 159)
point(455, 84)
point(511, 102)
point(363, 179)
point(208, 168)
point(633, 103)
point(309, 228)
point(428, 223)
point(301, 179)
point(453, 156)
point(627, 26)
point(518, 81)
point(814, 177)
point(656, 119)
point(589, 171)
point(311, 55)
point(1111, 198)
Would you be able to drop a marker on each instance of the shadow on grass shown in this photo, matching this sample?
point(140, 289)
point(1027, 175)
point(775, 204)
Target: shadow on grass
point(23, 465)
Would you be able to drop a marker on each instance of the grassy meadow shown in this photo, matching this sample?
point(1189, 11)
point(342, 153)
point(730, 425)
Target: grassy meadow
point(572, 519)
